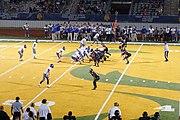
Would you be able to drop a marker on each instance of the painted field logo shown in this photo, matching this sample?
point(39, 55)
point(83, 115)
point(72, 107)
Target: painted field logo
point(9, 102)
point(49, 103)
point(167, 108)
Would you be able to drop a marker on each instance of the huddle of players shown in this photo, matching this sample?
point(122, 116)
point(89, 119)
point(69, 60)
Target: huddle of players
point(95, 55)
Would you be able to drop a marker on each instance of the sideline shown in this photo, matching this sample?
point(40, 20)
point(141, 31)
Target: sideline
point(97, 116)
point(28, 60)
point(11, 46)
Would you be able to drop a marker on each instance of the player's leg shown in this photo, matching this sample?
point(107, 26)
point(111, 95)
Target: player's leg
point(127, 56)
point(44, 76)
point(58, 60)
point(21, 55)
point(34, 53)
point(166, 55)
point(47, 82)
point(107, 51)
point(94, 84)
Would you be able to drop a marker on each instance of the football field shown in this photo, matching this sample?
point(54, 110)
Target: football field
point(147, 83)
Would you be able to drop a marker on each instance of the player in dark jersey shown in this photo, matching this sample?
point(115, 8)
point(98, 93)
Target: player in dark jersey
point(96, 78)
point(106, 50)
point(124, 52)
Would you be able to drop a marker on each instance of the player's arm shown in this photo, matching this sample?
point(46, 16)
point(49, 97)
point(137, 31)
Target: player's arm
point(11, 110)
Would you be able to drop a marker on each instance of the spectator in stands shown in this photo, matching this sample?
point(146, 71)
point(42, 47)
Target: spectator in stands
point(144, 32)
point(144, 116)
point(111, 112)
point(156, 116)
point(44, 111)
point(3, 114)
point(69, 116)
point(16, 109)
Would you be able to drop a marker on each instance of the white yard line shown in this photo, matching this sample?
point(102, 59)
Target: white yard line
point(11, 46)
point(49, 85)
point(28, 60)
point(97, 116)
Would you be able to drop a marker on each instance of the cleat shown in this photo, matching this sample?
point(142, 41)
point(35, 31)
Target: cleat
point(39, 85)
point(48, 86)
point(94, 88)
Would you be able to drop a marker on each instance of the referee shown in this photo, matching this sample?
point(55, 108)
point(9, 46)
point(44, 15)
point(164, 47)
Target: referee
point(166, 51)
point(16, 109)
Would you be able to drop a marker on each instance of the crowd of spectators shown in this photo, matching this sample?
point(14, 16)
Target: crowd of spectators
point(139, 7)
point(148, 7)
point(29, 6)
point(92, 6)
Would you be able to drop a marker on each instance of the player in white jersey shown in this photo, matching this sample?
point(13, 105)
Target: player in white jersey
point(20, 51)
point(34, 49)
point(96, 38)
point(59, 54)
point(166, 51)
point(46, 75)
point(83, 42)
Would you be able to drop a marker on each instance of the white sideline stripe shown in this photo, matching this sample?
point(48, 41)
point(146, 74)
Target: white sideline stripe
point(11, 46)
point(28, 60)
point(49, 85)
point(97, 116)
point(130, 43)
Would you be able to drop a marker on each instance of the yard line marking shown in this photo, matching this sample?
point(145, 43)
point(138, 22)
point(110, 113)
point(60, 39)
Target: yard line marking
point(11, 46)
point(49, 85)
point(97, 116)
point(28, 60)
